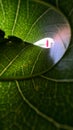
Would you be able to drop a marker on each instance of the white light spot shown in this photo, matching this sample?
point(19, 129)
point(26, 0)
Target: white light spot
point(45, 43)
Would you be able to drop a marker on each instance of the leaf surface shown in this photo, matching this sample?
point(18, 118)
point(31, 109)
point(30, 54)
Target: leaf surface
point(35, 92)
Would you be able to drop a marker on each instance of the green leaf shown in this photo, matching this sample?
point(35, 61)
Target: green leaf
point(46, 22)
point(35, 92)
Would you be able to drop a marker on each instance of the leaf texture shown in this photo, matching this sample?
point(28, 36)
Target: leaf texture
point(35, 93)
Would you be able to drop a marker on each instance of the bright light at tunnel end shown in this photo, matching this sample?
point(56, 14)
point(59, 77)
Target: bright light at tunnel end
point(45, 43)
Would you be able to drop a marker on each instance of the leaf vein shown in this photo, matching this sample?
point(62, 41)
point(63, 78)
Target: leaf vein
point(57, 80)
point(71, 12)
point(49, 119)
point(17, 12)
point(27, 9)
point(12, 61)
point(36, 22)
point(36, 61)
point(2, 11)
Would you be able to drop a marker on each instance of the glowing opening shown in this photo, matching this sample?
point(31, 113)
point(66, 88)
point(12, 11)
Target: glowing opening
point(45, 43)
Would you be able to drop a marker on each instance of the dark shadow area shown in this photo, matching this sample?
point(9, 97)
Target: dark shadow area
point(10, 39)
point(2, 34)
point(1, 125)
point(14, 39)
point(2, 37)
